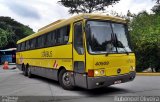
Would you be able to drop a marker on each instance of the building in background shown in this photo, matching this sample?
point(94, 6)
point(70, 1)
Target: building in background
point(8, 55)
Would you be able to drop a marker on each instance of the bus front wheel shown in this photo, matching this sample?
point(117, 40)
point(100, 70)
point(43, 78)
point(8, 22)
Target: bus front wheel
point(64, 80)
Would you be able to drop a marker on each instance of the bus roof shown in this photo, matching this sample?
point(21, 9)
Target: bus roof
point(60, 23)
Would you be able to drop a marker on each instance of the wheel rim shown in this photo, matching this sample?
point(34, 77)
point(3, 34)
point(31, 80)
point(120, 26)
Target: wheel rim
point(66, 79)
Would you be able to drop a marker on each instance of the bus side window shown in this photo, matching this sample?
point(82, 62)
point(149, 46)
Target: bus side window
point(53, 38)
point(78, 38)
point(23, 46)
point(43, 43)
point(27, 45)
point(33, 43)
point(66, 33)
point(48, 39)
point(39, 42)
point(63, 34)
point(19, 47)
point(59, 37)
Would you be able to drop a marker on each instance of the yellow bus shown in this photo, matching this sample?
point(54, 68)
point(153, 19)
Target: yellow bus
point(87, 50)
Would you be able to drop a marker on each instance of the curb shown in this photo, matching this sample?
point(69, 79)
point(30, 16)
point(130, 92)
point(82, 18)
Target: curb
point(147, 74)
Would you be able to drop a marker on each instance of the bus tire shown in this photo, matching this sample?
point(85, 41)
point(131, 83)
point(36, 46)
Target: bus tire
point(64, 80)
point(25, 71)
point(29, 73)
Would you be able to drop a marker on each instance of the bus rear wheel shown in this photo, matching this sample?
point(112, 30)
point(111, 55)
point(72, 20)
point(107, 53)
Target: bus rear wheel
point(24, 70)
point(29, 73)
point(65, 80)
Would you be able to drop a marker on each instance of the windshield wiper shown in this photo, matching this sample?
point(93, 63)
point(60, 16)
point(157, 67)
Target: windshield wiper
point(119, 44)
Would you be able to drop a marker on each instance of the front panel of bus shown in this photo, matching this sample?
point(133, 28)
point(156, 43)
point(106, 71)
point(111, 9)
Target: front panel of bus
point(108, 53)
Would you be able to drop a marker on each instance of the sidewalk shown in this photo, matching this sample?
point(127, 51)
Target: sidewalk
point(148, 73)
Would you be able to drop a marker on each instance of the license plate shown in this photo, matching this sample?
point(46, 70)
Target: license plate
point(117, 82)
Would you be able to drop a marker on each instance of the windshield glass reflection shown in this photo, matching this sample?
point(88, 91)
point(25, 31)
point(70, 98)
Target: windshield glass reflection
point(107, 37)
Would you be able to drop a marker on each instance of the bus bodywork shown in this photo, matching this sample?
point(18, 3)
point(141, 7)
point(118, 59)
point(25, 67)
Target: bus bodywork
point(88, 51)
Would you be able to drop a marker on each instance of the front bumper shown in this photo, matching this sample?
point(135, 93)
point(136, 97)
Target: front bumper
point(97, 82)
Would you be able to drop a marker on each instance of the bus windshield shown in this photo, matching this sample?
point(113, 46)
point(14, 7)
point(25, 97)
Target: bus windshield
point(107, 37)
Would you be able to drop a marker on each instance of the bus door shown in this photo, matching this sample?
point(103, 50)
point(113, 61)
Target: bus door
point(79, 54)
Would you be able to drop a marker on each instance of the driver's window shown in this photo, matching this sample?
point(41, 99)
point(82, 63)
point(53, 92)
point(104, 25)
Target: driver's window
point(78, 38)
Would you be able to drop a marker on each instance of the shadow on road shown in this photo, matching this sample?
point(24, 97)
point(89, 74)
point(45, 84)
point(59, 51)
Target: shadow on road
point(105, 91)
point(94, 92)
point(45, 80)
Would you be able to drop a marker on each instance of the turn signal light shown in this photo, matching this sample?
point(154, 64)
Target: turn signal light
point(90, 73)
point(132, 68)
point(102, 72)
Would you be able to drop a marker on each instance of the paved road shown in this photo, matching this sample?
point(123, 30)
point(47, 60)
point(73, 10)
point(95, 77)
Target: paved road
point(13, 83)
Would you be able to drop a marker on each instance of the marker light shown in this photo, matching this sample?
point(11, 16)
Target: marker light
point(90, 73)
point(102, 72)
point(132, 68)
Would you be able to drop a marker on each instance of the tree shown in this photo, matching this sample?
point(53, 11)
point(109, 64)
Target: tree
point(86, 6)
point(3, 37)
point(157, 1)
point(156, 9)
point(13, 30)
point(145, 34)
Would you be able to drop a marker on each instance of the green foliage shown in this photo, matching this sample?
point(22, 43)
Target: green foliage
point(12, 31)
point(3, 37)
point(145, 34)
point(86, 6)
point(156, 9)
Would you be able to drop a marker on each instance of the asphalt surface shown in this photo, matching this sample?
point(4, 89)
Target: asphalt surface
point(13, 83)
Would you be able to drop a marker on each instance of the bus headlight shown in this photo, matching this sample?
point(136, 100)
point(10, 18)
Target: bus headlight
point(96, 72)
point(99, 72)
